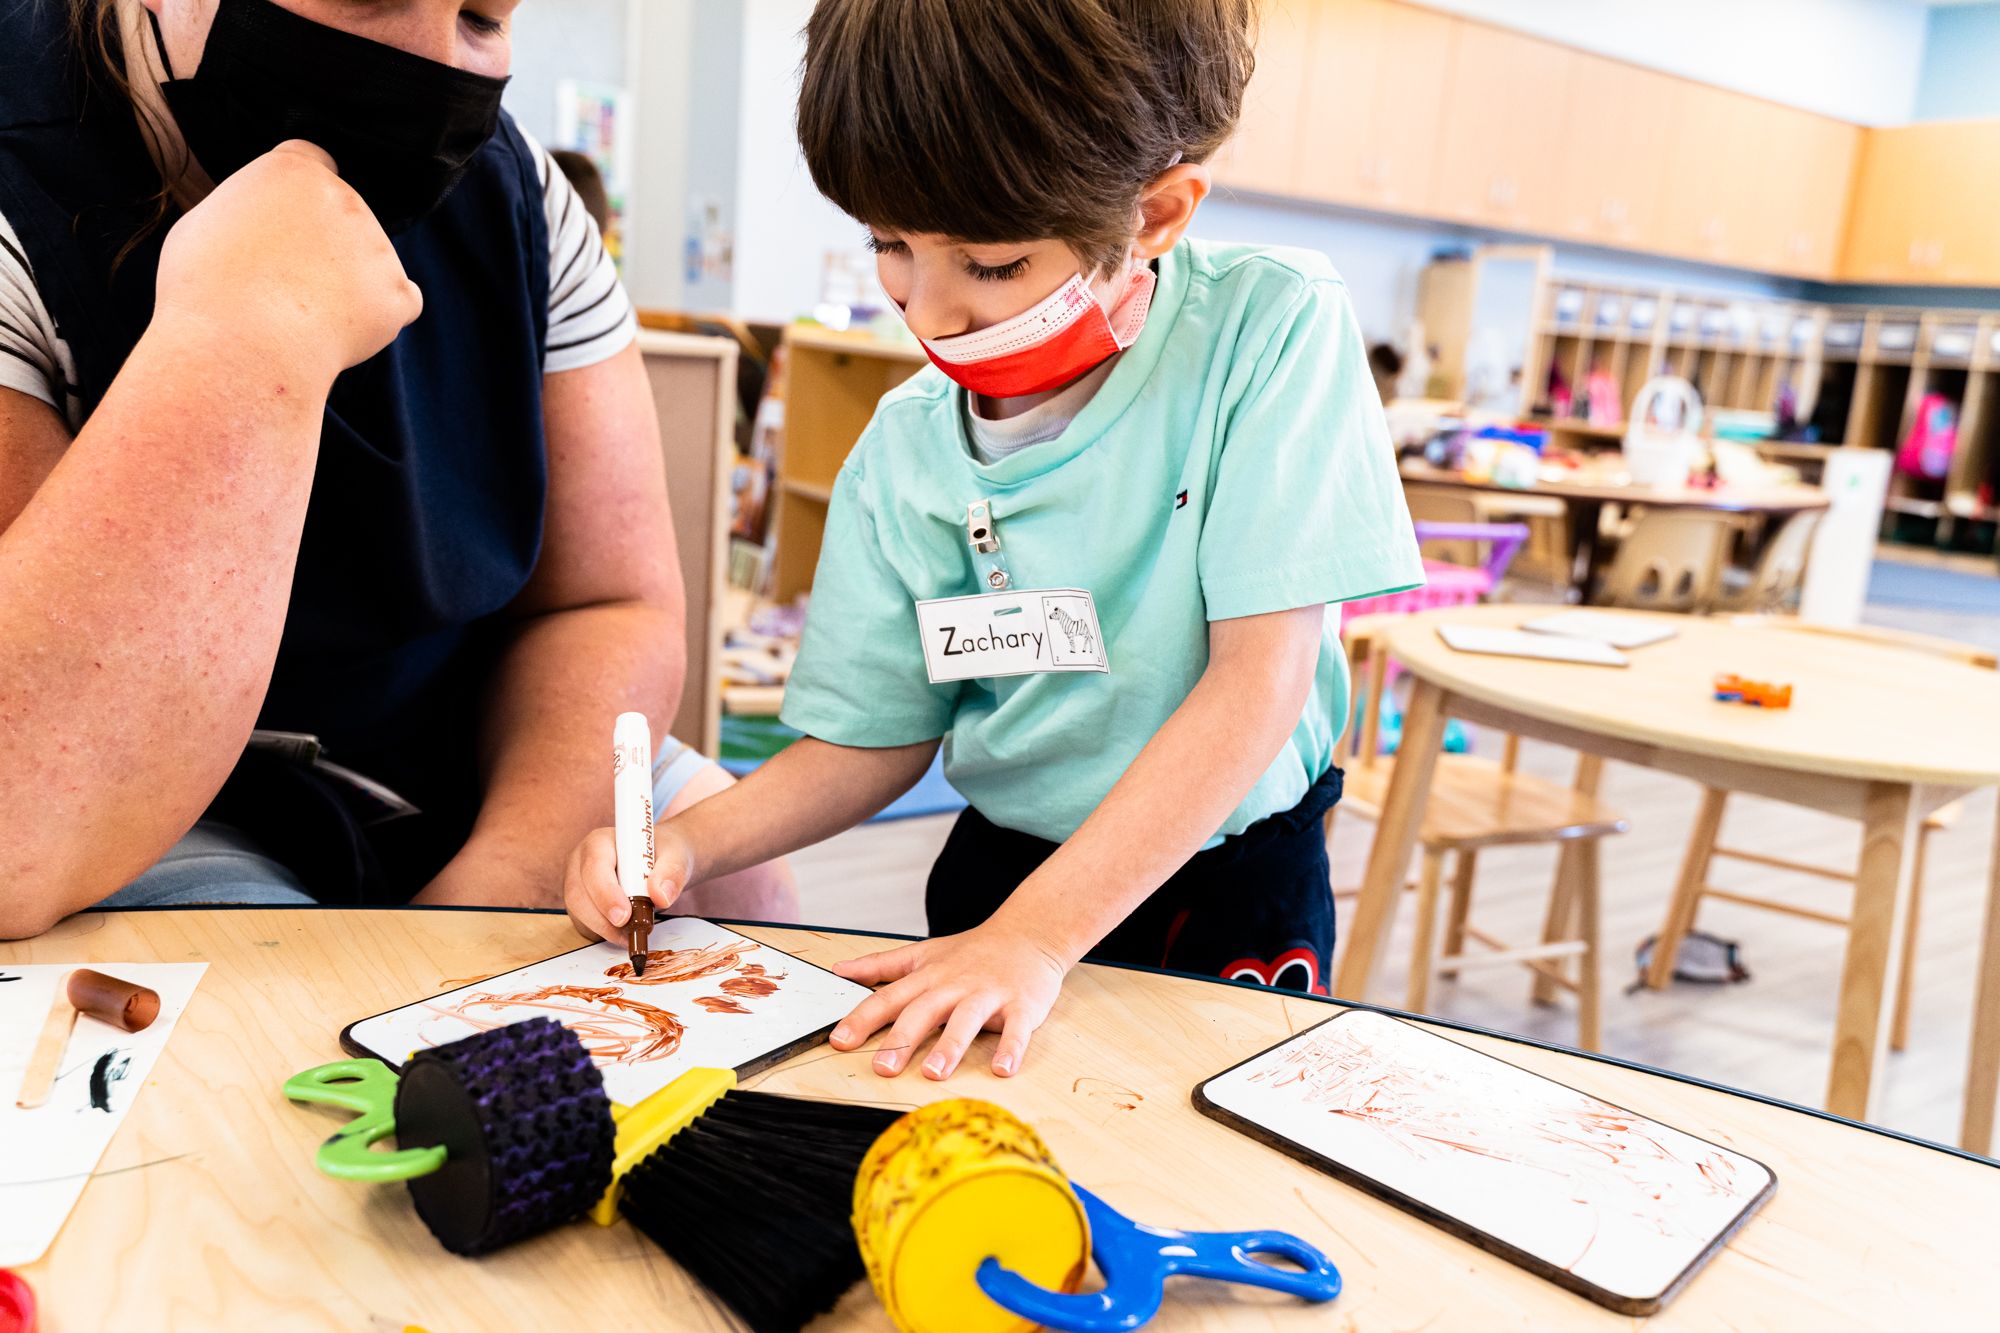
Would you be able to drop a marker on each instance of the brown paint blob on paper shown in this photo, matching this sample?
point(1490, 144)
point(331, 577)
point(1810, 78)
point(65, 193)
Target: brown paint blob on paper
point(720, 1004)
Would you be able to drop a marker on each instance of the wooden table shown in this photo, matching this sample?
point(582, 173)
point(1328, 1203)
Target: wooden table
point(207, 1213)
point(1874, 733)
point(1586, 500)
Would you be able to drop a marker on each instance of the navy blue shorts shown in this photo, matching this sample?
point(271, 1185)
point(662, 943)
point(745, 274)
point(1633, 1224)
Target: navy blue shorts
point(1259, 907)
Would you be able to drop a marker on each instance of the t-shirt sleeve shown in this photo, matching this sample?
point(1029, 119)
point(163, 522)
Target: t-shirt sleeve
point(859, 678)
point(33, 359)
point(1306, 505)
point(590, 315)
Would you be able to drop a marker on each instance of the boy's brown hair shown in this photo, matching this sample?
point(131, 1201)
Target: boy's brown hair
point(1016, 120)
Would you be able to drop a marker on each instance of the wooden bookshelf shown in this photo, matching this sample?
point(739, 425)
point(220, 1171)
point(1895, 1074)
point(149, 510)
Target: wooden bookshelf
point(832, 383)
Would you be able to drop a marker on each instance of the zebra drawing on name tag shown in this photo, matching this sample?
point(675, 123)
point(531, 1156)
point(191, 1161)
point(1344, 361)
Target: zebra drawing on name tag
point(1081, 640)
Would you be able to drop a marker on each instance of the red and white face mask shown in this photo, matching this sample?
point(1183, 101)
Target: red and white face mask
point(1049, 344)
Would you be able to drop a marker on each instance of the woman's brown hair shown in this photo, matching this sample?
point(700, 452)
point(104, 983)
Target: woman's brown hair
point(94, 38)
point(1016, 120)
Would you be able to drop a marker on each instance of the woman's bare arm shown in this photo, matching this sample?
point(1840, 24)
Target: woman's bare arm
point(144, 577)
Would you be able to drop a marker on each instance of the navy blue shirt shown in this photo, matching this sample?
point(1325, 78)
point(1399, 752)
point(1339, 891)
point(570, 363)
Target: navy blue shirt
point(425, 520)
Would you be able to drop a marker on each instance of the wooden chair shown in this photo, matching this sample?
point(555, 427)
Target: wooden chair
point(1703, 849)
point(1671, 560)
point(1476, 803)
point(1774, 584)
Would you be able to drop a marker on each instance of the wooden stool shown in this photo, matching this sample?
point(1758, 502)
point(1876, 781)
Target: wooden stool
point(1477, 803)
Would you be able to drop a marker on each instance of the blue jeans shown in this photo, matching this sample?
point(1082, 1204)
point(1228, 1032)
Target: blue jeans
point(215, 863)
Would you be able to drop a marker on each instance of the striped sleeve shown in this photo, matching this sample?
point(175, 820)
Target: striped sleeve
point(590, 316)
point(33, 359)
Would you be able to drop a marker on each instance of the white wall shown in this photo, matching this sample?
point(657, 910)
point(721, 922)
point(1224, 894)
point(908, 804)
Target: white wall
point(783, 227)
point(1855, 59)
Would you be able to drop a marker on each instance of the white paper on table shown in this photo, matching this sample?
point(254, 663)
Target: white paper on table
point(47, 1155)
point(739, 1004)
point(1623, 1203)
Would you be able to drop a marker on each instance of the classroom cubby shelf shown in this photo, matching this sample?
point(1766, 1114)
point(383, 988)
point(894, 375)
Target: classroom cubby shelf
point(1858, 373)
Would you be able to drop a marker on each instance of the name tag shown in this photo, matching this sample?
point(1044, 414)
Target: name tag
point(1020, 633)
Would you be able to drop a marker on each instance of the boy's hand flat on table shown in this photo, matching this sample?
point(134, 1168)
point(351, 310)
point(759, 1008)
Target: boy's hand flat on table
point(991, 977)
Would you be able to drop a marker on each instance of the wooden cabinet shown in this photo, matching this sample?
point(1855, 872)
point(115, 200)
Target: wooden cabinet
point(1924, 206)
point(1710, 177)
point(1616, 136)
point(1802, 192)
point(1264, 152)
point(1374, 103)
point(1505, 101)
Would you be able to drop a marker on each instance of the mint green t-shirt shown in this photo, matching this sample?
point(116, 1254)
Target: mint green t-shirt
point(1235, 462)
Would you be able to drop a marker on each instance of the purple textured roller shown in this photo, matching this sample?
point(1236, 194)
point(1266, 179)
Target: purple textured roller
point(527, 1129)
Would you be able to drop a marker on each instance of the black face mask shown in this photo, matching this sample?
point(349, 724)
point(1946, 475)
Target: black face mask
point(402, 129)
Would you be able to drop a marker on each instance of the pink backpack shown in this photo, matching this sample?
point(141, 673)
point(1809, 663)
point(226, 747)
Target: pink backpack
point(1926, 451)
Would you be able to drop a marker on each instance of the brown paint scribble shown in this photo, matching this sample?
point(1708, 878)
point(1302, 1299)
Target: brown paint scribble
point(664, 967)
point(453, 983)
point(614, 1027)
point(720, 1004)
point(1125, 1099)
point(752, 982)
point(1615, 1167)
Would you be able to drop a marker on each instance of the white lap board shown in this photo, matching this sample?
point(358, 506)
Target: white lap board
point(1618, 631)
point(1520, 643)
point(1597, 1198)
point(711, 998)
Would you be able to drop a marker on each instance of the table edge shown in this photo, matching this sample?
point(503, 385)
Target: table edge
point(1428, 1020)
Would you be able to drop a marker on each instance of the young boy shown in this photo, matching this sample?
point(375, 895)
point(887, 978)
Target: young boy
point(1093, 549)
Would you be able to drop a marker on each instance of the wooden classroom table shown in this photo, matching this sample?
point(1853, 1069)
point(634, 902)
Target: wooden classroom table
point(206, 1211)
point(1874, 733)
point(1586, 501)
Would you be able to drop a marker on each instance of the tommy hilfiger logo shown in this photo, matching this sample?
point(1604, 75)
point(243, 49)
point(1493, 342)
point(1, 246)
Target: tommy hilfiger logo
point(1180, 501)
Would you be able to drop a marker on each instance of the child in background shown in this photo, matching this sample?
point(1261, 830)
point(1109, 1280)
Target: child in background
point(1091, 552)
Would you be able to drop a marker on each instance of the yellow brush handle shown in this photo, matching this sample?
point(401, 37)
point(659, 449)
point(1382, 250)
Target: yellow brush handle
point(644, 1127)
point(948, 1186)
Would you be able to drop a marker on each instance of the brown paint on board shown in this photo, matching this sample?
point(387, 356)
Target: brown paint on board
point(665, 967)
point(752, 982)
point(614, 1027)
point(720, 1004)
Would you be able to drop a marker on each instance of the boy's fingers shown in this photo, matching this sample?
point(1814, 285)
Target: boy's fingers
point(872, 969)
point(919, 1017)
point(1014, 1034)
point(597, 867)
point(959, 1030)
point(869, 1015)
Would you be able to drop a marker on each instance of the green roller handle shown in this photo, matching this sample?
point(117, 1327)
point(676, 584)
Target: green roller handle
point(367, 1087)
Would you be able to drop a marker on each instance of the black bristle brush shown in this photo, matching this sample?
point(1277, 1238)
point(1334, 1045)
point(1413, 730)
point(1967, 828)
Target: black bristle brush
point(755, 1200)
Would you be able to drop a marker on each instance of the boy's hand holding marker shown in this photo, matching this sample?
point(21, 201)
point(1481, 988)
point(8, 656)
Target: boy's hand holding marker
point(1092, 550)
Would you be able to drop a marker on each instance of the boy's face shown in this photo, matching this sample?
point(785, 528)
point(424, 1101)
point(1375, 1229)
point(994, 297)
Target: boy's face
point(949, 287)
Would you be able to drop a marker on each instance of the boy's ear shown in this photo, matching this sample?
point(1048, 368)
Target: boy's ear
point(1167, 207)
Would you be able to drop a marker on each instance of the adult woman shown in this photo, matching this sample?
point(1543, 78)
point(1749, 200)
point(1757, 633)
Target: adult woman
point(260, 465)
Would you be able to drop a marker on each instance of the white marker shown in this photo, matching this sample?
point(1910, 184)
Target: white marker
point(632, 826)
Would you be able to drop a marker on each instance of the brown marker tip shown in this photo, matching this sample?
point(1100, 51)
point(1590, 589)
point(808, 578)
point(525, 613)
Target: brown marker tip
point(638, 927)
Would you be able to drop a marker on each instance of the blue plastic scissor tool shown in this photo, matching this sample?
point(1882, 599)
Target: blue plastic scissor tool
point(1137, 1260)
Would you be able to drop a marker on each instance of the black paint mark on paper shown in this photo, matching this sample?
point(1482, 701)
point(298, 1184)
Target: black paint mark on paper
point(104, 1075)
point(5, 977)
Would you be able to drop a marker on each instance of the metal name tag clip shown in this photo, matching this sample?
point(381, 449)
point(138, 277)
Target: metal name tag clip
point(984, 539)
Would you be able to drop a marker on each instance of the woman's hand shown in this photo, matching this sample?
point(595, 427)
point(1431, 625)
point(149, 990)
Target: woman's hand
point(993, 976)
point(597, 903)
point(285, 255)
